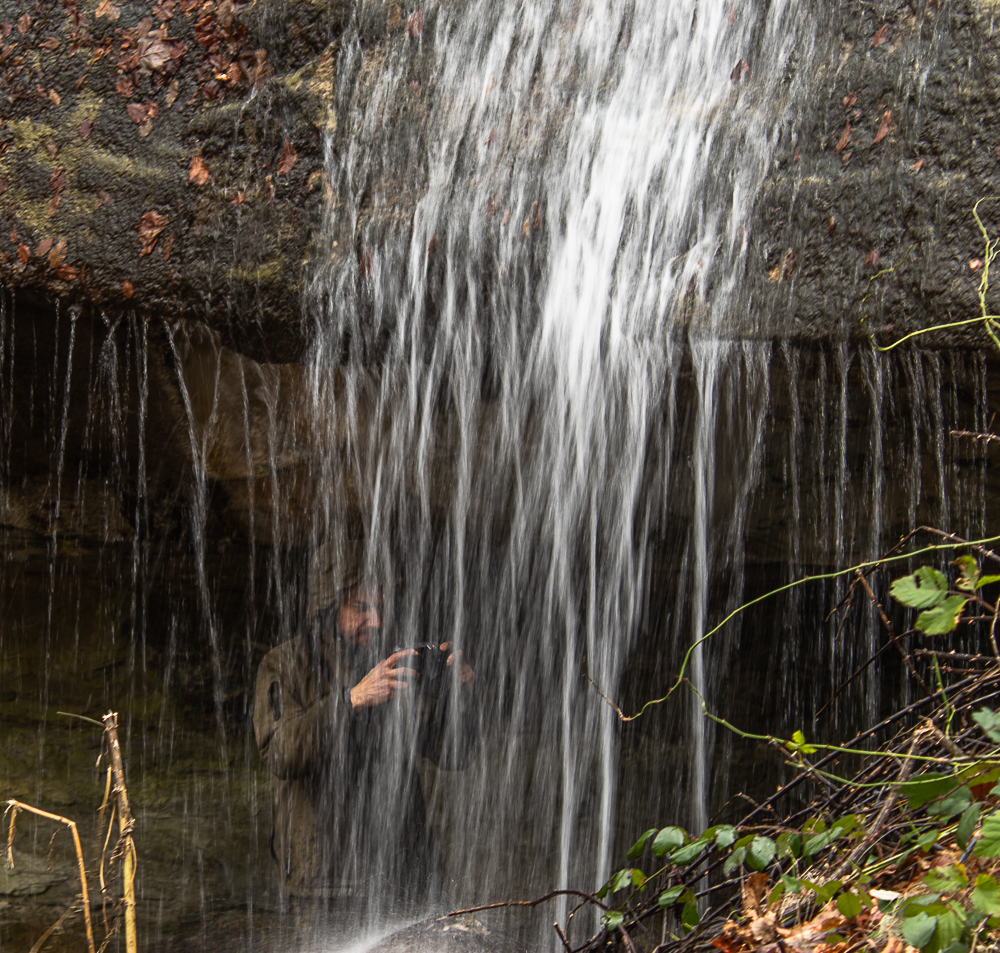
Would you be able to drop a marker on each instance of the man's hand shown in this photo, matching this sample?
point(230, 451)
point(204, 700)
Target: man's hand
point(465, 674)
point(383, 682)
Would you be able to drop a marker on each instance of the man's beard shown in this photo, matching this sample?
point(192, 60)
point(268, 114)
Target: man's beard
point(365, 657)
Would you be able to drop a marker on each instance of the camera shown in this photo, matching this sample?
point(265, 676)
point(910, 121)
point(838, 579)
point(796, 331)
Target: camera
point(430, 664)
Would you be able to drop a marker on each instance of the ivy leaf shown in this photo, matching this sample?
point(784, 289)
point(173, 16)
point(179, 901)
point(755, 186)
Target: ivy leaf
point(925, 588)
point(669, 897)
point(988, 844)
point(689, 916)
point(967, 824)
point(918, 930)
point(637, 849)
point(989, 721)
point(942, 618)
point(667, 840)
point(761, 852)
point(725, 834)
point(734, 860)
point(986, 895)
point(685, 855)
point(849, 904)
point(968, 573)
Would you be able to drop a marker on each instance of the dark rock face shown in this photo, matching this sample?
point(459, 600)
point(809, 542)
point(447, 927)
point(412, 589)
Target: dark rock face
point(463, 934)
point(893, 148)
point(170, 156)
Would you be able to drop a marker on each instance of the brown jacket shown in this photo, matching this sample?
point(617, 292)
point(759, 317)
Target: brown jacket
point(348, 808)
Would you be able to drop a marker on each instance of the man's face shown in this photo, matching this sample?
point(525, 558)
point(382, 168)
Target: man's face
point(359, 618)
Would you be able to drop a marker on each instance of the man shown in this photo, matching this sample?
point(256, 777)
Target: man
point(342, 724)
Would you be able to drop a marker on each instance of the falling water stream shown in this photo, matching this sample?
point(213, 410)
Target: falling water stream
point(527, 405)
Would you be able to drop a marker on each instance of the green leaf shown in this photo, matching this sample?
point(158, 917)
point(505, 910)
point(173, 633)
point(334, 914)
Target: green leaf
point(816, 843)
point(925, 588)
point(918, 930)
point(603, 892)
point(986, 895)
point(967, 825)
point(638, 878)
point(793, 884)
point(637, 849)
point(987, 581)
point(725, 834)
point(954, 802)
point(798, 743)
point(667, 840)
point(950, 928)
point(968, 573)
point(988, 844)
point(926, 787)
point(925, 840)
point(989, 721)
point(613, 919)
point(685, 855)
point(669, 897)
point(777, 892)
point(761, 852)
point(689, 916)
point(825, 892)
point(849, 905)
point(734, 860)
point(943, 618)
point(947, 879)
point(790, 844)
point(846, 824)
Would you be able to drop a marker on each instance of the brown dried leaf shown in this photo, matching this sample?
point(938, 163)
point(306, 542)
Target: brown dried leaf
point(883, 129)
point(873, 258)
point(85, 129)
point(53, 205)
point(198, 172)
point(150, 225)
point(415, 23)
point(850, 99)
point(43, 247)
point(831, 227)
point(102, 198)
point(49, 148)
point(173, 91)
point(58, 254)
point(917, 166)
point(23, 252)
point(5, 29)
point(107, 9)
point(58, 181)
point(127, 289)
point(164, 11)
point(146, 128)
point(136, 112)
point(975, 264)
point(395, 16)
point(24, 24)
point(168, 244)
point(67, 272)
point(288, 159)
point(238, 198)
point(754, 888)
point(797, 154)
point(50, 43)
point(845, 138)
point(124, 87)
point(366, 262)
point(154, 53)
point(739, 71)
point(881, 36)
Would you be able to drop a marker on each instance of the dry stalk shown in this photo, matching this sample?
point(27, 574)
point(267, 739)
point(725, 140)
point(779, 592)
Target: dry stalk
point(125, 847)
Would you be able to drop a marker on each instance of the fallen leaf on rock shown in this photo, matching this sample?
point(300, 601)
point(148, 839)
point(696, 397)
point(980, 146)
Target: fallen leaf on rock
point(124, 87)
point(58, 181)
point(797, 154)
point(102, 199)
point(975, 264)
point(917, 166)
point(24, 24)
point(136, 112)
point(53, 205)
point(49, 148)
point(67, 272)
point(850, 99)
point(784, 268)
point(366, 262)
point(127, 289)
point(150, 225)
point(415, 23)
point(85, 129)
point(395, 16)
point(873, 258)
point(43, 247)
point(23, 252)
point(832, 226)
point(739, 71)
point(5, 29)
point(58, 254)
point(198, 173)
point(173, 91)
point(883, 129)
point(164, 11)
point(754, 888)
point(845, 138)
point(881, 36)
point(50, 43)
point(154, 53)
point(238, 198)
point(288, 158)
point(54, 97)
point(146, 128)
point(107, 9)
point(168, 244)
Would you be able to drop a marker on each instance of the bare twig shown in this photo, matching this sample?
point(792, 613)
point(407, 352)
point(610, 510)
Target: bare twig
point(530, 903)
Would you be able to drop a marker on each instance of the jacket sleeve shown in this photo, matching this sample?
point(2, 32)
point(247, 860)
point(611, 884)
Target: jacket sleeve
point(449, 740)
point(296, 739)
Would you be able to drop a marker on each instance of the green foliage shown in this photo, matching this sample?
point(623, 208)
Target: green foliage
point(989, 721)
point(927, 587)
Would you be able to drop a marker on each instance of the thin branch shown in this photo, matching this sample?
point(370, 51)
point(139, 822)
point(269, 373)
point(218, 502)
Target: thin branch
point(530, 903)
